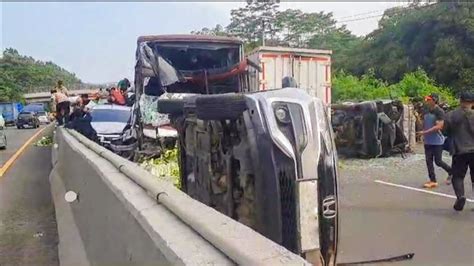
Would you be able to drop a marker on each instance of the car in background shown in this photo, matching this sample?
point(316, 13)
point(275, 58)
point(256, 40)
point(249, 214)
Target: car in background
point(43, 117)
point(27, 119)
point(114, 129)
point(3, 137)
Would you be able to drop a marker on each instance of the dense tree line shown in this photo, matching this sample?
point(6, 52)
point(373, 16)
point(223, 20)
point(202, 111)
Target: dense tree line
point(20, 74)
point(437, 38)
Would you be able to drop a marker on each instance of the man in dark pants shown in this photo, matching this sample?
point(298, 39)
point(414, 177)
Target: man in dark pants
point(460, 127)
point(433, 122)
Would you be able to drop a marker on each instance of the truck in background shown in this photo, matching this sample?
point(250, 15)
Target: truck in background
point(10, 111)
point(310, 68)
point(35, 107)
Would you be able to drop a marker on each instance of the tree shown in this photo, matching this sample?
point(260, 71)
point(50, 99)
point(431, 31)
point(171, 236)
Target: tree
point(253, 21)
point(437, 37)
point(218, 30)
point(20, 74)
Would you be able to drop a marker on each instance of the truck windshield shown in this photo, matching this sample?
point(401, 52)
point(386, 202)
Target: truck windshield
point(110, 115)
point(188, 57)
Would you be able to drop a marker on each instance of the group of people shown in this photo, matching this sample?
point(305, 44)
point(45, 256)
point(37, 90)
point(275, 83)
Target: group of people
point(454, 130)
point(62, 105)
point(117, 95)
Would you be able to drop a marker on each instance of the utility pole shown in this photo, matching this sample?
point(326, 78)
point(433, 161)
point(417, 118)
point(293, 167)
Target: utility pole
point(264, 19)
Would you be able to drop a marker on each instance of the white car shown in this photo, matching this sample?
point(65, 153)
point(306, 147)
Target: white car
point(43, 117)
point(112, 124)
point(3, 137)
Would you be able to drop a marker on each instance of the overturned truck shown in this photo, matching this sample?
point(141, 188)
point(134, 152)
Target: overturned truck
point(266, 159)
point(369, 129)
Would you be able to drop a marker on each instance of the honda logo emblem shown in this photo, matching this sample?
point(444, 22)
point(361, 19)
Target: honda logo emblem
point(329, 207)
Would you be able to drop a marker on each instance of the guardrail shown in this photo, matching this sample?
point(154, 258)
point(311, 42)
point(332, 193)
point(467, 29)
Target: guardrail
point(123, 215)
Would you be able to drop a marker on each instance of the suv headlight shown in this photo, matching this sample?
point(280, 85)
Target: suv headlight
point(282, 115)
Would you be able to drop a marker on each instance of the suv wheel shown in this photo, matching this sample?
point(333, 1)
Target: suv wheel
point(220, 107)
point(171, 106)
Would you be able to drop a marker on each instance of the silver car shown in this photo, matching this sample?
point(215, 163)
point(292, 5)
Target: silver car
point(112, 124)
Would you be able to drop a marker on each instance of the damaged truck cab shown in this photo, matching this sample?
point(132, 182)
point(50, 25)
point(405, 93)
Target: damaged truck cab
point(266, 159)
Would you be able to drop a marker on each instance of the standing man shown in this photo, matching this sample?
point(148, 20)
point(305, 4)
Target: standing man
point(433, 123)
point(62, 107)
point(460, 127)
point(60, 88)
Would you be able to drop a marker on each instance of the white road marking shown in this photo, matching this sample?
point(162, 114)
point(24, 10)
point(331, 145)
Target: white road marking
point(419, 190)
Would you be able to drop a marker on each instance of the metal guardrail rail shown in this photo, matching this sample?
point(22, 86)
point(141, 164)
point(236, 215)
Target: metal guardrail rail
point(237, 241)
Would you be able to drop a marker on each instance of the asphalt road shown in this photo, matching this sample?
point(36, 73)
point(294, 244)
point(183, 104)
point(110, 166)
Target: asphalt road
point(15, 139)
point(28, 234)
point(379, 221)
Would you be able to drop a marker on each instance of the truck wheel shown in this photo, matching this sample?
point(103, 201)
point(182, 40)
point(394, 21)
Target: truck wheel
point(220, 107)
point(171, 106)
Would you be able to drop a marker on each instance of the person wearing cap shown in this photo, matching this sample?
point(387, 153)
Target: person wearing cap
point(60, 88)
point(460, 127)
point(433, 122)
point(123, 84)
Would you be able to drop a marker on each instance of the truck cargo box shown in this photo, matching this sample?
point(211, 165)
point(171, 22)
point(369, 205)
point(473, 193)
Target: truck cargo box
point(310, 68)
point(10, 111)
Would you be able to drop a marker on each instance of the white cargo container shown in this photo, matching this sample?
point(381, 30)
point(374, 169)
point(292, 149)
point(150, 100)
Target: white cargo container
point(310, 68)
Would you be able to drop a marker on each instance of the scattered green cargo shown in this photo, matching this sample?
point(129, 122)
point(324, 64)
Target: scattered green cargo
point(166, 167)
point(45, 141)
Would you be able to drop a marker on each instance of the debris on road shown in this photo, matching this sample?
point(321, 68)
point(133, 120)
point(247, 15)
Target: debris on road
point(165, 167)
point(45, 141)
point(38, 235)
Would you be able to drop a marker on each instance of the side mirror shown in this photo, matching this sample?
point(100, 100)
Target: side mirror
point(289, 82)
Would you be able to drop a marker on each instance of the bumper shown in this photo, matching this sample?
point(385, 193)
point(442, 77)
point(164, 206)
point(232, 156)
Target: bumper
point(3, 139)
point(115, 144)
point(44, 120)
point(123, 148)
point(25, 123)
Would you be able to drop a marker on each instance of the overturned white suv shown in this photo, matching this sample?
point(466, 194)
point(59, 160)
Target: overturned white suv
point(266, 159)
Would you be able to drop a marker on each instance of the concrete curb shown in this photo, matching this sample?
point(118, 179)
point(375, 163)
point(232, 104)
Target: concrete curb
point(71, 249)
point(117, 222)
point(239, 242)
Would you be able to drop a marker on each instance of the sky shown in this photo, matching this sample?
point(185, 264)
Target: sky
point(97, 40)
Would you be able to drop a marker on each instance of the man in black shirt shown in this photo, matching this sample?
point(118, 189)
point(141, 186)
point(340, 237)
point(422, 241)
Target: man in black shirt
point(460, 127)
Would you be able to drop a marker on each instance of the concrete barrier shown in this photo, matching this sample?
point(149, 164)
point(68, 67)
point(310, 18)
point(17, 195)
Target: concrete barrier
point(115, 221)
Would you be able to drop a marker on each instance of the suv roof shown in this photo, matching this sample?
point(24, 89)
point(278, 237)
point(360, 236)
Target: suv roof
point(189, 38)
point(112, 107)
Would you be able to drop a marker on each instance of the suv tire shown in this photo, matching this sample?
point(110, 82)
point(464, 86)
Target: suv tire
point(171, 106)
point(220, 107)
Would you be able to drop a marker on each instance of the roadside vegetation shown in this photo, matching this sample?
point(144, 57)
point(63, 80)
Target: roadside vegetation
point(414, 85)
point(22, 74)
